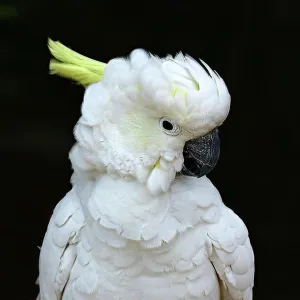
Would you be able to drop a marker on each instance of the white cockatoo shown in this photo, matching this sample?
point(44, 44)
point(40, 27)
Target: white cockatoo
point(142, 221)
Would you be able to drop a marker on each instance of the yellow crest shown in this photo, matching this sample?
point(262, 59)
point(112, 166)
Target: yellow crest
point(72, 65)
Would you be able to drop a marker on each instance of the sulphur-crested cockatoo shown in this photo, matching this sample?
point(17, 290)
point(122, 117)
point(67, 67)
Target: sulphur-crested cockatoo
point(142, 221)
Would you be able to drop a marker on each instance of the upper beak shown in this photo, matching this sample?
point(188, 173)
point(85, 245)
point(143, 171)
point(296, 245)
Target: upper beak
point(201, 155)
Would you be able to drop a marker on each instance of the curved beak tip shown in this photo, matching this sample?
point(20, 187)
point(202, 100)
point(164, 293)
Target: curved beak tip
point(201, 155)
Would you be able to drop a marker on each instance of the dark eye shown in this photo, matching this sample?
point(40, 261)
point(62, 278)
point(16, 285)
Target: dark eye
point(169, 127)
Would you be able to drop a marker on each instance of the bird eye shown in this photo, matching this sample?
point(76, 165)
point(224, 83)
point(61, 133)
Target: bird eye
point(169, 127)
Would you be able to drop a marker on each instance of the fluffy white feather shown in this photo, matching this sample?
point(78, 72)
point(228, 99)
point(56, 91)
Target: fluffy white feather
point(130, 229)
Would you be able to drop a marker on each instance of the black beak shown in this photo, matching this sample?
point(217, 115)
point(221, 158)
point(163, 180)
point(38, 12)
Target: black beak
point(201, 155)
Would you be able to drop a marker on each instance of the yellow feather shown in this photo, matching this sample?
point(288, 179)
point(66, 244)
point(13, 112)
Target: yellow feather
point(72, 65)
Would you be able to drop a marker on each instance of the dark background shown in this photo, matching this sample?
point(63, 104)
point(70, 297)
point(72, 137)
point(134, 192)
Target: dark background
point(252, 44)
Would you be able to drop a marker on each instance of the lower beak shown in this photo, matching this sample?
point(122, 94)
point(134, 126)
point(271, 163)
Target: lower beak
point(201, 155)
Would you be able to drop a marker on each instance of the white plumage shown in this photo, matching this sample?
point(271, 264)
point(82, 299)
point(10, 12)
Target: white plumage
point(130, 229)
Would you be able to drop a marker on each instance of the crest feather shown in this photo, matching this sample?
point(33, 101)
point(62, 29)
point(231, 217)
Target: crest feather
point(72, 65)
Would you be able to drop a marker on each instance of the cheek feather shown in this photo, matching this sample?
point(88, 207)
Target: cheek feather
point(140, 131)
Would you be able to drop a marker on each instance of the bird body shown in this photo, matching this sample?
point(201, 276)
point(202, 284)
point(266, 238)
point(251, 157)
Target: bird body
point(134, 226)
point(131, 246)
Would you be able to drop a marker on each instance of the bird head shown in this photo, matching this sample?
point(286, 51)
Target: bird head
point(153, 118)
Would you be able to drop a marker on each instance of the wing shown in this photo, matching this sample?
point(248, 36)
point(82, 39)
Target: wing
point(232, 256)
point(58, 251)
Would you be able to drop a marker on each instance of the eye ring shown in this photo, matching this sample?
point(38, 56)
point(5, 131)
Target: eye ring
point(169, 127)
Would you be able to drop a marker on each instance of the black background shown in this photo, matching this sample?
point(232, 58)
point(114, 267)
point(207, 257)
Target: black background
point(252, 44)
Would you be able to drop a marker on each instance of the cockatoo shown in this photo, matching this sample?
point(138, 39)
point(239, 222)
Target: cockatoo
point(142, 221)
